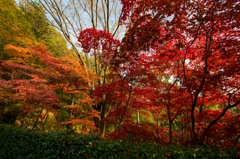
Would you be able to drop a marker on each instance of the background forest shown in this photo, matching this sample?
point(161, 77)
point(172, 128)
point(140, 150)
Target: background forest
point(161, 71)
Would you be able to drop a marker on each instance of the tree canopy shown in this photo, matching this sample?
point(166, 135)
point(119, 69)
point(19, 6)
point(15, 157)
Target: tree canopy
point(172, 79)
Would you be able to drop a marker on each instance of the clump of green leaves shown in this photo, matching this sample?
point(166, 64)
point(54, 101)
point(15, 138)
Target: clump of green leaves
point(16, 142)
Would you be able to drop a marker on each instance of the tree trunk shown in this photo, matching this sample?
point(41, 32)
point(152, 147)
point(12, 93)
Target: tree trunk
point(2, 106)
point(70, 115)
point(138, 119)
point(58, 121)
point(170, 123)
point(45, 122)
point(22, 122)
point(95, 119)
point(102, 115)
point(170, 131)
point(35, 124)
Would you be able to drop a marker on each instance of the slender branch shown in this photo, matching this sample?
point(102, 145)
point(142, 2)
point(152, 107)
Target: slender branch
point(217, 119)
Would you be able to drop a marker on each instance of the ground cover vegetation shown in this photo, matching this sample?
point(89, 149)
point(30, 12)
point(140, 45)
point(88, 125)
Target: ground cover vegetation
point(19, 143)
point(172, 79)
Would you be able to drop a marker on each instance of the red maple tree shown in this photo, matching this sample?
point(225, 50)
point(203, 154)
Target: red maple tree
point(192, 49)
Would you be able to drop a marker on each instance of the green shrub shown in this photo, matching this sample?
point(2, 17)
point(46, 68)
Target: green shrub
point(19, 143)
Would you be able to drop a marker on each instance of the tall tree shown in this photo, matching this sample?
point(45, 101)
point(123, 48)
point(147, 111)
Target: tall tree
point(68, 18)
point(72, 17)
point(202, 36)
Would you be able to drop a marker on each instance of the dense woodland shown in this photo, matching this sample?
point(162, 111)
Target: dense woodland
point(163, 71)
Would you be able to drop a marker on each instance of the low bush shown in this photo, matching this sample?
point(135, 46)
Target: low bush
point(16, 142)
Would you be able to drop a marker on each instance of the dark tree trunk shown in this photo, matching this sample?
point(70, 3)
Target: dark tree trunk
point(102, 115)
point(170, 131)
point(35, 124)
point(95, 119)
point(2, 107)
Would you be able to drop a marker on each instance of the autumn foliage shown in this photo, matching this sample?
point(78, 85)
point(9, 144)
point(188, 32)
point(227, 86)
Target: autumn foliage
point(177, 65)
point(178, 60)
point(35, 85)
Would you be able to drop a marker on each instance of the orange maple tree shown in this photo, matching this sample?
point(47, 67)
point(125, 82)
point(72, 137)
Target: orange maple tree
point(36, 74)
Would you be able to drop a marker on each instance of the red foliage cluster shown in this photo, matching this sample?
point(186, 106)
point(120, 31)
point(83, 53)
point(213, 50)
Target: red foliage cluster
point(93, 39)
point(178, 65)
point(178, 60)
